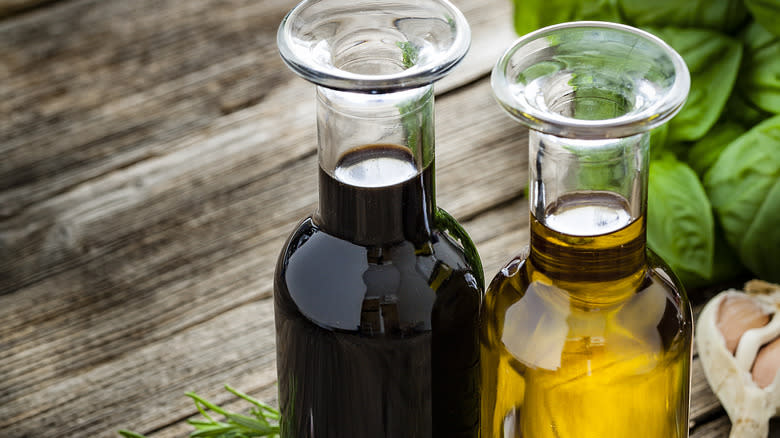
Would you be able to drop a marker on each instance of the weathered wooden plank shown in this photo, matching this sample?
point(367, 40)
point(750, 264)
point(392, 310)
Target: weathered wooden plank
point(10, 7)
point(132, 216)
point(208, 364)
point(91, 85)
point(717, 428)
point(704, 403)
point(50, 236)
point(289, 106)
point(491, 34)
point(127, 387)
point(143, 390)
point(159, 248)
point(96, 86)
point(47, 238)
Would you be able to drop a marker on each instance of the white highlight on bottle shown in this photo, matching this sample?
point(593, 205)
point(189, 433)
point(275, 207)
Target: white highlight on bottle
point(588, 220)
point(376, 172)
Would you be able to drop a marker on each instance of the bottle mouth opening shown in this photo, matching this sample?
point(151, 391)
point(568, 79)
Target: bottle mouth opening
point(373, 47)
point(591, 80)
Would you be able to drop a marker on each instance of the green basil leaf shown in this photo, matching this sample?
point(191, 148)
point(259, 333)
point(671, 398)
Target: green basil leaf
point(660, 145)
point(680, 226)
point(530, 15)
point(761, 242)
point(744, 188)
point(725, 265)
point(713, 60)
point(658, 141)
point(766, 12)
point(703, 154)
point(723, 15)
point(740, 109)
point(759, 77)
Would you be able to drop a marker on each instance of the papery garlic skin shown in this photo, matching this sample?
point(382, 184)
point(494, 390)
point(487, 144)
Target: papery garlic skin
point(749, 406)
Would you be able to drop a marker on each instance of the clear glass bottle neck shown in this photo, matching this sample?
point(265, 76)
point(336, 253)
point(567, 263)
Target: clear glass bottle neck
point(588, 200)
point(587, 187)
point(376, 154)
point(349, 120)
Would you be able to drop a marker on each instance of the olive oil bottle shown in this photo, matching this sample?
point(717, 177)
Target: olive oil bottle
point(586, 333)
point(377, 294)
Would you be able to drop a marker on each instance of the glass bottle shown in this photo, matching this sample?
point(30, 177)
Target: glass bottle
point(377, 294)
point(587, 333)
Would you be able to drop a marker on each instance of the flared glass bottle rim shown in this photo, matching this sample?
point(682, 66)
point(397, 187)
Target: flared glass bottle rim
point(652, 89)
point(373, 47)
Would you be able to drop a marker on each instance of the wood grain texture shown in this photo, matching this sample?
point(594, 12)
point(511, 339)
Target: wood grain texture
point(154, 155)
point(11, 7)
point(182, 269)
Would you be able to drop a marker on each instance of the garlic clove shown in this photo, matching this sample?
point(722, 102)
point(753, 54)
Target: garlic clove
point(736, 315)
point(747, 320)
point(767, 363)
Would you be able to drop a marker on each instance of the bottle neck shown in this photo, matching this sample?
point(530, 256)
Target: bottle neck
point(376, 184)
point(588, 200)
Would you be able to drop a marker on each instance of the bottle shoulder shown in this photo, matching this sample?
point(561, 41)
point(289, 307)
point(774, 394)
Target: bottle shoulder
point(521, 314)
point(344, 286)
point(320, 247)
point(512, 281)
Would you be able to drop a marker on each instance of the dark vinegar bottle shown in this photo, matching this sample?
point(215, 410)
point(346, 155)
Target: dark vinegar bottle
point(377, 295)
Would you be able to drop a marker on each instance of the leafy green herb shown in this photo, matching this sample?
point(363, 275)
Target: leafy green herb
point(417, 120)
point(417, 113)
point(713, 60)
point(680, 226)
point(409, 53)
point(740, 109)
point(744, 188)
point(534, 14)
point(703, 154)
point(725, 265)
point(766, 12)
point(129, 434)
point(722, 15)
point(263, 422)
point(760, 74)
point(605, 167)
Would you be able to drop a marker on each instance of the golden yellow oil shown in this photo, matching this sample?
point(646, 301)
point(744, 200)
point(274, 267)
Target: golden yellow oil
point(586, 336)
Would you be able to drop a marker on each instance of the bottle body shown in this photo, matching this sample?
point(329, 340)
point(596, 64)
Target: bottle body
point(377, 332)
point(587, 334)
point(376, 304)
point(557, 363)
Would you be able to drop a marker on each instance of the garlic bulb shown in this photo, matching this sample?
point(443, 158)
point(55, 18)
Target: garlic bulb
point(738, 339)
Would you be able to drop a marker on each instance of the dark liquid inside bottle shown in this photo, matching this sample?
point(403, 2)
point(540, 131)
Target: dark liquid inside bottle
point(376, 310)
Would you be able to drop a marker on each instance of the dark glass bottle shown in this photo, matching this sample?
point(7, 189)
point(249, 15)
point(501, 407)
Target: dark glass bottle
point(377, 294)
point(587, 334)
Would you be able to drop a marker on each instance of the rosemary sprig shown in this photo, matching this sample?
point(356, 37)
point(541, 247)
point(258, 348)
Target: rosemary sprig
point(263, 420)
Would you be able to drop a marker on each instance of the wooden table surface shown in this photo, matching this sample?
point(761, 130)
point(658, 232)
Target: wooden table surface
point(154, 155)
